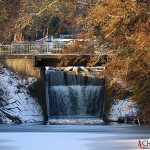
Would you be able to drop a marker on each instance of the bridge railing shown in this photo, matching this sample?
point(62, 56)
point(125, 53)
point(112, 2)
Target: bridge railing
point(37, 48)
point(32, 48)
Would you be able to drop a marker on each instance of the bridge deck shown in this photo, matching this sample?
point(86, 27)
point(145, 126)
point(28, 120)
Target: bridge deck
point(43, 54)
point(53, 59)
point(25, 56)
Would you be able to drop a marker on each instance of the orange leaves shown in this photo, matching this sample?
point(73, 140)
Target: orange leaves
point(124, 27)
point(79, 20)
point(119, 20)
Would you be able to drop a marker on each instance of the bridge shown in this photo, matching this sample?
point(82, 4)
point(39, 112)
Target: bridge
point(32, 48)
point(44, 54)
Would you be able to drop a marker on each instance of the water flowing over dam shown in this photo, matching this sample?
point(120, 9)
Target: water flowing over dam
point(73, 96)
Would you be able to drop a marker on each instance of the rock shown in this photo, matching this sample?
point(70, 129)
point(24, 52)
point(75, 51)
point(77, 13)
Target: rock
point(123, 111)
point(14, 119)
point(130, 119)
point(121, 119)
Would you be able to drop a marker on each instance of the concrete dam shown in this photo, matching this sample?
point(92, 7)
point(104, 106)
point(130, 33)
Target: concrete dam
point(77, 97)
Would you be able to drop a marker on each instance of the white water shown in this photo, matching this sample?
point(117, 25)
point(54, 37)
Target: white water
point(69, 78)
point(83, 101)
point(75, 121)
point(71, 96)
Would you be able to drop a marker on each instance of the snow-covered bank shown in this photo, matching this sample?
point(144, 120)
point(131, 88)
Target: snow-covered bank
point(123, 110)
point(15, 101)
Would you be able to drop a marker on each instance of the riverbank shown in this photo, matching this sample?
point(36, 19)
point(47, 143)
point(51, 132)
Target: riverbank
point(16, 104)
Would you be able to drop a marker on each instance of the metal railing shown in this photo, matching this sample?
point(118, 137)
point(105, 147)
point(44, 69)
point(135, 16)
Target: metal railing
point(38, 48)
point(31, 48)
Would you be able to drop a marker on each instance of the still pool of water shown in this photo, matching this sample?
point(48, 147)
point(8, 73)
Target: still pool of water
point(72, 137)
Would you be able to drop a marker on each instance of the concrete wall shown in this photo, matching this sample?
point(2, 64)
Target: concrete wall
point(24, 66)
point(108, 99)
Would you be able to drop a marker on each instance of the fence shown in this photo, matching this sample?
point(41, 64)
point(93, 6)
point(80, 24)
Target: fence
point(32, 48)
point(37, 48)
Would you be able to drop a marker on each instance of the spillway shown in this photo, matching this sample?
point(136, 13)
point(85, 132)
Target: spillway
point(71, 96)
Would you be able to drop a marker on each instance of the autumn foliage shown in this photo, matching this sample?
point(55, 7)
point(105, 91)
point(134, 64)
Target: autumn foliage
point(126, 27)
point(123, 29)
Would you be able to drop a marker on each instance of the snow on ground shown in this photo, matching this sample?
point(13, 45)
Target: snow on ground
point(15, 98)
point(122, 109)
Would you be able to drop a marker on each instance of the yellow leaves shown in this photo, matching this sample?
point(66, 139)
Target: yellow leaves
point(79, 20)
point(126, 27)
point(27, 18)
point(110, 33)
point(112, 16)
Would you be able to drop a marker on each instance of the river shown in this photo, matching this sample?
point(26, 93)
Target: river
point(72, 137)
